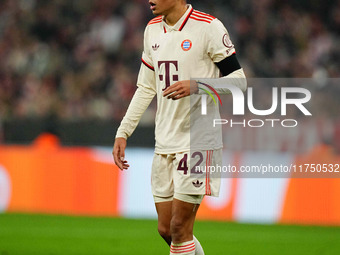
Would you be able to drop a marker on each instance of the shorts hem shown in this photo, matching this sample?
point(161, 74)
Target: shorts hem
point(188, 198)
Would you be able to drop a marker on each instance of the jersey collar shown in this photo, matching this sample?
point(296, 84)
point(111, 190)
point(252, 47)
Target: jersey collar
point(180, 23)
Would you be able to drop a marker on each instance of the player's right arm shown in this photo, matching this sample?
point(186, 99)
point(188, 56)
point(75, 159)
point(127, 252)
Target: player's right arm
point(141, 100)
point(143, 96)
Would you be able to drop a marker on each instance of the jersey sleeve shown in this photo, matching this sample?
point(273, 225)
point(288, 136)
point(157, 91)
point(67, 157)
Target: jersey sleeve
point(146, 90)
point(140, 101)
point(146, 77)
point(146, 56)
point(219, 44)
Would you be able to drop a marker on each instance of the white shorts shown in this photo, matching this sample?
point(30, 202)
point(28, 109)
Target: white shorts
point(185, 173)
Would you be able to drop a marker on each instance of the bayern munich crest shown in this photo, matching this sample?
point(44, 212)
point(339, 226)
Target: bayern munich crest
point(186, 45)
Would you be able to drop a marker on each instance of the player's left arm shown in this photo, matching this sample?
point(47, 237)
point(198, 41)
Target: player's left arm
point(181, 89)
point(222, 52)
point(235, 76)
point(229, 66)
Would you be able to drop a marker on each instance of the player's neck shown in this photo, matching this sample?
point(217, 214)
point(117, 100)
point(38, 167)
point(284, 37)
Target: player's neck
point(175, 14)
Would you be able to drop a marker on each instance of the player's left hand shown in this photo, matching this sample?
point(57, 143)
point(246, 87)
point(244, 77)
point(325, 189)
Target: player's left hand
point(181, 89)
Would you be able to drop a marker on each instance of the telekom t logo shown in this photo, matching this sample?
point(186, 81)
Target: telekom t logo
point(167, 71)
point(239, 105)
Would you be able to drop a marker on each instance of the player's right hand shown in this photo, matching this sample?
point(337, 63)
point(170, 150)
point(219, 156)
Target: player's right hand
point(119, 153)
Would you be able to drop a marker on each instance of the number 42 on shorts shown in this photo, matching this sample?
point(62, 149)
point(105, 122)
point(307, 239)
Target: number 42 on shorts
point(183, 163)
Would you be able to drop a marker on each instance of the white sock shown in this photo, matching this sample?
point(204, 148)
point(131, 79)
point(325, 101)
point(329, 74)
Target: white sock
point(199, 249)
point(186, 248)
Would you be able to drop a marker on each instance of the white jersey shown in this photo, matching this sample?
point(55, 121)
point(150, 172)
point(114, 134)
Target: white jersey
point(185, 51)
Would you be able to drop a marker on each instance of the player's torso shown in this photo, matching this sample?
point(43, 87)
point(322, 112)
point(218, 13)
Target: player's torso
point(179, 55)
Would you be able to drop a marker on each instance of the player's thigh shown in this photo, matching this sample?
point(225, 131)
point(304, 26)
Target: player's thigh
point(197, 172)
point(164, 212)
point(161, 178)
point(184, 214)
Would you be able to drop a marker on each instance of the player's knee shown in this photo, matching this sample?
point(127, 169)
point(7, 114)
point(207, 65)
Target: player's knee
point(178, 226)
point(164, 231)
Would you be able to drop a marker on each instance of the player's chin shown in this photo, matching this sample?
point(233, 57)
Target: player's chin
point(156, 13)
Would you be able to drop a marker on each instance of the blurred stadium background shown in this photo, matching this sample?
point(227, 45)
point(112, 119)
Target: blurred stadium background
point(67, 74)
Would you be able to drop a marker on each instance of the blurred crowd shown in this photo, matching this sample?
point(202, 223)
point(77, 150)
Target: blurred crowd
point(80, 59)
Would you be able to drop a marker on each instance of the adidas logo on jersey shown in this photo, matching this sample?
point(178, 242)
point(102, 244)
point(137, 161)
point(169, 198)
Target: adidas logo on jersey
point(197, 184)
point(155, 47)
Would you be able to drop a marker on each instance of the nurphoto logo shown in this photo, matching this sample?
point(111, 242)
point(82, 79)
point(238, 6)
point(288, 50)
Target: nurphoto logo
point(239, 106)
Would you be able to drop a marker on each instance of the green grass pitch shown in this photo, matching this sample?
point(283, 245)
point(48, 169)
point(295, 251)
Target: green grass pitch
point(52, 235)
